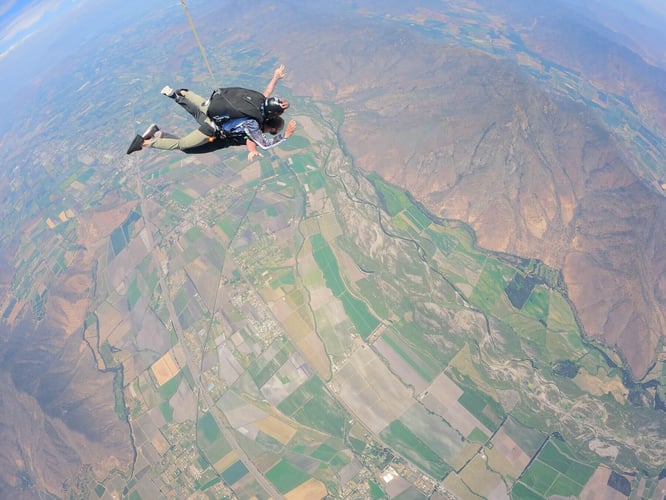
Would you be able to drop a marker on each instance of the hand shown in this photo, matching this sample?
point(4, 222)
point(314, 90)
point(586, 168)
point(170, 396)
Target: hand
point(254, 154)
point(279, 73)
point(291, 126)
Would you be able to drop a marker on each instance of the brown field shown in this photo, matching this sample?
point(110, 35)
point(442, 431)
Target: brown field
point(320, 296)
point(297, 327)
point(371, 391)
point(277, 302)
point(660, 492)
point(442, 398)
point(346, 263)
point(479, 478)
point(250, 173)
point(311, 128)
point(308, 227)
point(200, 272)
point(302, 335)
point(506, 456)
point(453, 484)
point(329, 226)
point(78, 284)
point(165, 368)
point(179, 354)
point(597, 487)
point(101, 224)
point(309, 490)
point(318, 200)
point(276, 428)
point(400, 367)
point(465, 454)
point(67, 314)
point(18, 307)
point(308, 269)
point(110, 321)
point(160, 443)
point(272, 296)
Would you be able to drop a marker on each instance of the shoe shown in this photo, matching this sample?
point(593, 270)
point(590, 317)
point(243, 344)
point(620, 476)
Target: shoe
point(168, 91)
point(136, 145)
point(150, 131)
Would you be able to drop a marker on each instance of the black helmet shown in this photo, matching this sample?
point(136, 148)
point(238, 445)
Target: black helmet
point(273, 107)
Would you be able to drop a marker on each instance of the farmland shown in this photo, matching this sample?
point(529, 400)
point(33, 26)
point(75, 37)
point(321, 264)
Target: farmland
point(296, 339)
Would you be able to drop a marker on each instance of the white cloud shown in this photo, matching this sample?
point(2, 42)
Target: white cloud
point(5, 7)
point(19, 29)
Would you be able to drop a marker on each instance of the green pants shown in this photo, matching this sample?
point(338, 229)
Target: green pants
point(194, 138)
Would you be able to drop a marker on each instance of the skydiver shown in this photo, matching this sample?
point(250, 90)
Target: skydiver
point(230, 117)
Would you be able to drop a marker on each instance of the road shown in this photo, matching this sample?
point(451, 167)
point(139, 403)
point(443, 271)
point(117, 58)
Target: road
point(222, 423)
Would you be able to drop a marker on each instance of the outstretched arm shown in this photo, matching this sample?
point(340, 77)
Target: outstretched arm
point(278, 74)
point(252, 152)
point(252, 130)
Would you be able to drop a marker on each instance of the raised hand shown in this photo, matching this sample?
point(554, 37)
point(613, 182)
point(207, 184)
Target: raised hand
point(279, 73)
point(291, 126)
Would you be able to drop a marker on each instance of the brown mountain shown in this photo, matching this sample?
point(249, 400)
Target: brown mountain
point(473, 138)
point(57, 408)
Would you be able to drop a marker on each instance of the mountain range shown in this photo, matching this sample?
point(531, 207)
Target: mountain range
point(475, 137)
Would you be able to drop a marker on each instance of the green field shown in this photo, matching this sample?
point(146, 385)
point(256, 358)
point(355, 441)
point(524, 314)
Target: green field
point(207, 428)
point(322, 412)
point(393, 200)
point(210, 439)
point(491, 284)
point(357, 310)
point(324, 453)
point(182, 198)
point(234, 473)
point(285, 476)
point(399, 437)
point(482, 406)
point(133, 294)
point(376, 491)
point(418, 364)
point(553, 472)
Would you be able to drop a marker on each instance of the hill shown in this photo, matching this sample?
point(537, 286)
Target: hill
point(474, 137)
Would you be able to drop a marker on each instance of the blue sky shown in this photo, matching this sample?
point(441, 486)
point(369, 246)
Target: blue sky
point(21, 19)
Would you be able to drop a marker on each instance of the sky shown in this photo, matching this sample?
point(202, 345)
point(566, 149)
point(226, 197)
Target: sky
point(21, 19)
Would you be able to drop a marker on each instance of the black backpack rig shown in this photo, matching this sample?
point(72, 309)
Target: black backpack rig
point(236, 102)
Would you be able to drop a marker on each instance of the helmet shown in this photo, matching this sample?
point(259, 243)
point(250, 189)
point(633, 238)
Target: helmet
point(274, 106)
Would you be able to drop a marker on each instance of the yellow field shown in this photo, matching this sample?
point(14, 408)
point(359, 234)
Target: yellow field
point(301, 334)
point(165, 368)
point(160, 443)
point(225, 462)
point(276, 429)
point(454, 484)
point(602, 384)
point(480, 478)
point(466, 454)
point(309, 490)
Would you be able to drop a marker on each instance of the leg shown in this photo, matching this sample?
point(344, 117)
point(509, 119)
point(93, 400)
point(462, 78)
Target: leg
point(194, 104)
point(191, 140)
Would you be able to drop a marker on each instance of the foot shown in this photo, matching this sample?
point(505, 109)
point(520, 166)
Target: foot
point(136, 145)
point(168, 91)
point(150, 131)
